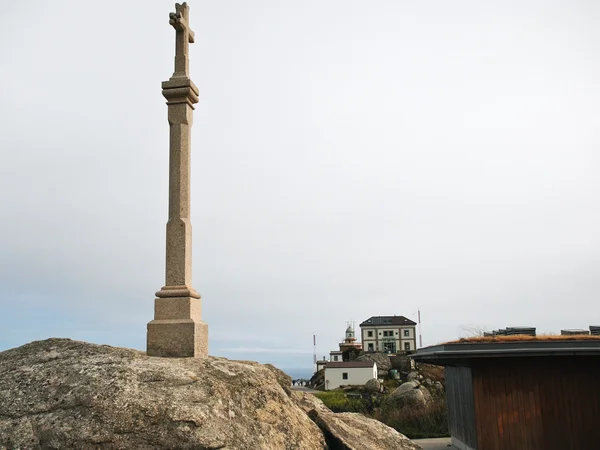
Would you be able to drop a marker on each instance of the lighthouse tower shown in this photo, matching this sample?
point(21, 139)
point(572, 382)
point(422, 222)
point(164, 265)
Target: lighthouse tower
point(349, 334)
point(350, 339)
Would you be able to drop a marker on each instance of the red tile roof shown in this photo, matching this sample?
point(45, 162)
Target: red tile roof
point(349, 364)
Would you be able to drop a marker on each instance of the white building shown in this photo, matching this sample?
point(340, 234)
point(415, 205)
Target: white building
point(350, 340)
point(388, 334)
point(351, 373)
point(335, 356)
point(321, 364)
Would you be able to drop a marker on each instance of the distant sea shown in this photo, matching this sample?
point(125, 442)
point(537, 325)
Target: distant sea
point(299, 373)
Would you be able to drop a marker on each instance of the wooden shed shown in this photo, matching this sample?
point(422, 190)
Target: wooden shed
point(521, 395)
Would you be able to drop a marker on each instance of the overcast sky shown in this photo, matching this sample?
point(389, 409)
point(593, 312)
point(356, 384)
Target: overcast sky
point(350, 159)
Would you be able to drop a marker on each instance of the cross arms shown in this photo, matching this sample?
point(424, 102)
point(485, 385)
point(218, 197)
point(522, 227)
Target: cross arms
point(180, 20)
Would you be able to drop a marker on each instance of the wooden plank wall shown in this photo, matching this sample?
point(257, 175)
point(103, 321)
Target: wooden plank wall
point(537, 403)
point(461, 411)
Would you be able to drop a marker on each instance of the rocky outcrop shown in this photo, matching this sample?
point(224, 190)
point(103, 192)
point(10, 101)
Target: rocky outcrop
point(318, 378)
point(66, 394)
point(308, 402)
point(404, 387)
point(384, 364)
point(410, 393)
point(414, 375)
point(283, 379)
point(61, 393)
point(437, 388)
point(352, 431)
point(373, 385)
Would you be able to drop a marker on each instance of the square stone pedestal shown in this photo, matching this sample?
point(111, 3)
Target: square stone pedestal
point(177, 330)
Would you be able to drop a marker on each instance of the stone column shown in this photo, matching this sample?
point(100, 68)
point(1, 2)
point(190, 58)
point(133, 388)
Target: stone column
point(177, 329)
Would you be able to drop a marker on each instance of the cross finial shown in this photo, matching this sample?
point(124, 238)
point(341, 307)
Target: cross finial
point(183, 37)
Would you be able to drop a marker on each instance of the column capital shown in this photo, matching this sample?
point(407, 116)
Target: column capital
point(180, 90)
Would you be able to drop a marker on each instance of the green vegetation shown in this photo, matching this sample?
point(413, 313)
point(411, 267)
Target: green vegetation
point(337, 401)
point(415, 422)
point(429, 421)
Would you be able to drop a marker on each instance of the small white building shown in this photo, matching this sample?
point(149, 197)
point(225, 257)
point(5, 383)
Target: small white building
point(350, 373)
point(335, 356)
point(321, 364)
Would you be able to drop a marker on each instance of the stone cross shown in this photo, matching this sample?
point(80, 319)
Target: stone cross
point(184, 36)
point(177, 329)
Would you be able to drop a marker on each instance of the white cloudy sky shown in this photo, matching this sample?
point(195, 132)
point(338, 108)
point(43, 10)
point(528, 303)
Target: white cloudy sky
point(350, 159)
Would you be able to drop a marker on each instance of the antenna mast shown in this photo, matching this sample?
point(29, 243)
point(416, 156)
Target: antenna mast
point(420, 330)
point(315, 350)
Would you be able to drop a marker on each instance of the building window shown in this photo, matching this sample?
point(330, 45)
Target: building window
point(406, 333)
point(344, 375)
point(407, 346)
point(370, 347)
point(335, 358)
point(389, 347)
point(369, 334)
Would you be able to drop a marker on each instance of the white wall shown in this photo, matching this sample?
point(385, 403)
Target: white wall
point(411, 333)
point(357, 376)
point(364, 334)
point(410, 339)
point(366, 344)
point(366, 340)
point(333, 355)
point(411, 342)
point(377, 339)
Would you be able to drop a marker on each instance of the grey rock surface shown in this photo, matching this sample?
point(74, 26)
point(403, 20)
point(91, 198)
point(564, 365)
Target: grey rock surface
point(410, 393)
point(412, 376)
point(307, 402)
point(373, 385)
point(318, 378)
point(383, 362)
point(60, 393)
point(353, 431)
point(404, 387)
point(437, 388)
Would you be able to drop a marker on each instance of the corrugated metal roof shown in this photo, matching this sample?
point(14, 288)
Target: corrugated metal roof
point(444, 354)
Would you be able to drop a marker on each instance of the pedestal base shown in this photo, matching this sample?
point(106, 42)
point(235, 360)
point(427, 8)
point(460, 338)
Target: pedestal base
point(177, 330)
